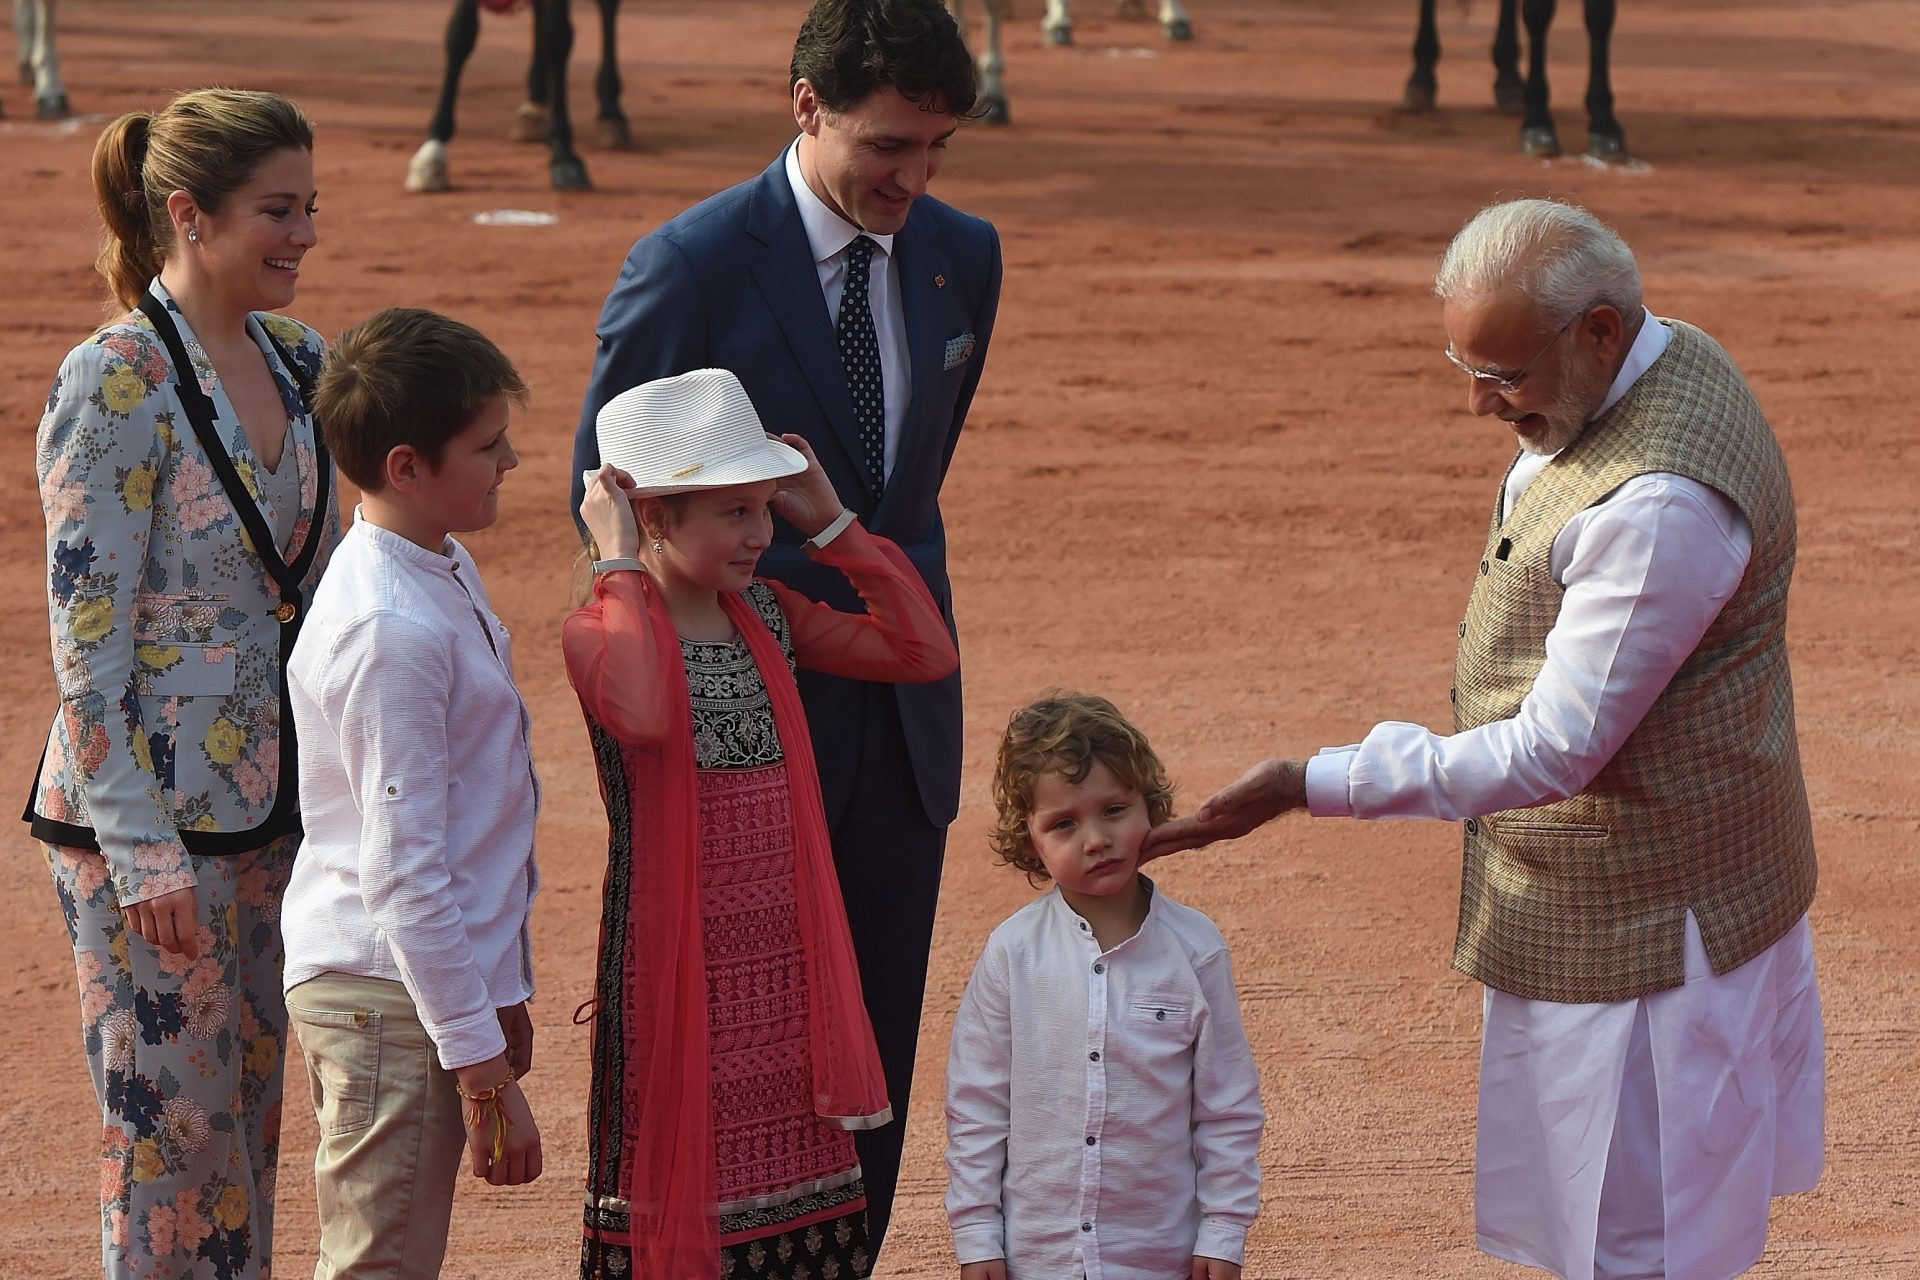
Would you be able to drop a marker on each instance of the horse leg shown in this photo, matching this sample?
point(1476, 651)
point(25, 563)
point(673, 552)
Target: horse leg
point(1537, 135)
point(1509, 89)
point(610, 127)
point(1057, 26)
point(530, 120)
point(993, 62)
point(39, 63)
point(1174, 20)
point(1605, 139)
point(1423, 86)
point(566, 170)
point(427, 171)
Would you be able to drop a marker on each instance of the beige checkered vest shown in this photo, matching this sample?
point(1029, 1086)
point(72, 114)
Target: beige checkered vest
point(1703, 807)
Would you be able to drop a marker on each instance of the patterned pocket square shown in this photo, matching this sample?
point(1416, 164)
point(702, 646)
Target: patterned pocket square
point(959, 351)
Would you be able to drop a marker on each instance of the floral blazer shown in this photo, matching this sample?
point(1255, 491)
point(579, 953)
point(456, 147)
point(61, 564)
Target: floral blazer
point(166, 646)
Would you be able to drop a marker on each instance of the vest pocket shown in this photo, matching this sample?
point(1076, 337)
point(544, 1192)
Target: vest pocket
point(1544, 829)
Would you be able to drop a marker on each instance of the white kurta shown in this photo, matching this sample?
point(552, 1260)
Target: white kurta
point(1690, 1107)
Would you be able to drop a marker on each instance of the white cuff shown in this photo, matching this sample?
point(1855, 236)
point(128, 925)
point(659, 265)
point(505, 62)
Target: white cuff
point(832, 531)
point(979, 1242)
point(1221, 1238)
point(617, 564)
point(1327, 794)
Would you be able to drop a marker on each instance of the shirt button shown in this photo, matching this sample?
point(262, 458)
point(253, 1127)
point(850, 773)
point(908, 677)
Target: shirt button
point(1086, 1226)
point(1094, 1056)
point(1099, 968)
point(1159, 1015)
point(1091, 1140)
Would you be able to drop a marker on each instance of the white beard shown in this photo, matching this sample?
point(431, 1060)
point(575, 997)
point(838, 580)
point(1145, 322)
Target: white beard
point(1569, 411)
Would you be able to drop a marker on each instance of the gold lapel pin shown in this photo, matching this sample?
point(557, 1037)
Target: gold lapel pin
point(939, 282)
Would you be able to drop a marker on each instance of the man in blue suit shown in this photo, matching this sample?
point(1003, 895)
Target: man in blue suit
point(856, 310)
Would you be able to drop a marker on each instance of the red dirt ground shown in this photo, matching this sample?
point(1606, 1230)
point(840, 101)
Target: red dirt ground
point(1217, 471)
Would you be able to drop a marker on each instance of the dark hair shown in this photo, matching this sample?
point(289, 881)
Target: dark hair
point(406, 376)
point(206, 143)
point(1067, 734)
point(847, 48)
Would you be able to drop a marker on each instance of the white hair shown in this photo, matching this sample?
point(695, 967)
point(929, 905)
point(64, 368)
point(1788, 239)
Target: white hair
point(1559, 255)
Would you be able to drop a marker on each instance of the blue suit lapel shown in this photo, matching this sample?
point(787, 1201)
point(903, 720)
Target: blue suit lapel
point(920, 260)
point(784, 272)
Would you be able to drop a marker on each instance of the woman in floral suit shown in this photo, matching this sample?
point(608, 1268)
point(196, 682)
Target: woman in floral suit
point(189, 512)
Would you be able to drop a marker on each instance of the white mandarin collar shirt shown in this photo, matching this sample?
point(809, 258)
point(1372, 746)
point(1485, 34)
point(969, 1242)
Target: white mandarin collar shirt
point(417, 790)
point(1646, 571)
point(828, 235)
point(1103, 1108)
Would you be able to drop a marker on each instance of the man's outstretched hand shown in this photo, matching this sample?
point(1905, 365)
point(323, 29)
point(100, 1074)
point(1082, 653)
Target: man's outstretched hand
point(1258, 796)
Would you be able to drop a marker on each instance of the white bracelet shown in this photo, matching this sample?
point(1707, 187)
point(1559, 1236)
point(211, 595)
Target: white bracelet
point(832, 531)
point(617, 564)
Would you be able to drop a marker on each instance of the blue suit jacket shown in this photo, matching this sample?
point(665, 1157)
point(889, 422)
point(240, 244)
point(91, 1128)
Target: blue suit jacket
point(731, 284)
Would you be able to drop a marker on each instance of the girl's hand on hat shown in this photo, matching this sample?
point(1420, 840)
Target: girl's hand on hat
point(806, 500)
point(607, 511)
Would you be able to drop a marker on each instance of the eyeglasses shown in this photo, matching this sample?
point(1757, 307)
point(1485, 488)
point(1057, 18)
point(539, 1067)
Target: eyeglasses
point(1508, 383)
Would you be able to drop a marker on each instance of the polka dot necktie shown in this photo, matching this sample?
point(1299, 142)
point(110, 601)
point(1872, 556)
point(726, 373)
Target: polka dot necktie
point(860, 356)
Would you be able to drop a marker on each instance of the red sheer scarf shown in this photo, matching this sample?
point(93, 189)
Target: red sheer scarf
point(667, 1092)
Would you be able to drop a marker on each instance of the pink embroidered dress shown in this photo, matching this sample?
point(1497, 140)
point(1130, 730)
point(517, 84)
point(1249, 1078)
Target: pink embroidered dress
point(722, 916)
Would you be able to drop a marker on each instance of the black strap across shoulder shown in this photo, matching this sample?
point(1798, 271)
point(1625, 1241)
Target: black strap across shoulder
point(284, 818)
point(201, 413)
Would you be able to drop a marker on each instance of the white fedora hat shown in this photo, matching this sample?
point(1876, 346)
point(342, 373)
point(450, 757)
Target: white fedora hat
point(695, 431)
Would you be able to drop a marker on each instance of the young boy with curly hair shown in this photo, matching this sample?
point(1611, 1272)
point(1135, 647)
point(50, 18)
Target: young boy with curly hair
point(1103, 1108)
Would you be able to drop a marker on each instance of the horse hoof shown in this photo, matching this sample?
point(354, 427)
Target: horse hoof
point(1539, 140)
point(1509, 96)
point(1609, 145)
point(570, 174)
point(610, 133)
point(1179, 29)
point(1417, 99)
point(1059, 37)
point(529, 123)
point(997, 112)
point(55, 108)
point(427, 171)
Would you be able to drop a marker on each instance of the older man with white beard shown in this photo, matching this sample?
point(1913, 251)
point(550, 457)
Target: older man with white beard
point(1639, 857)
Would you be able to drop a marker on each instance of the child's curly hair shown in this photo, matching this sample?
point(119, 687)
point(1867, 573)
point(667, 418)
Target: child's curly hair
point(1067, 733)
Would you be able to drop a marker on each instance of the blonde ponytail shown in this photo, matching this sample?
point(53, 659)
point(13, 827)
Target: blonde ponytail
point(129, 255)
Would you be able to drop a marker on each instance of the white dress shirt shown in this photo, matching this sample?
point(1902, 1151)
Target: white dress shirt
point(417, 790)
point(828, 235)
point(1646, 571)
point(1103, 1108)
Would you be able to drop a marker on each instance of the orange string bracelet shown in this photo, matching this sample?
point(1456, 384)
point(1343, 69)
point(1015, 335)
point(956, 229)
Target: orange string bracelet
point(486, 1104)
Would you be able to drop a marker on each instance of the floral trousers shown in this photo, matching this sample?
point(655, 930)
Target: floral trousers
point(186, 1064)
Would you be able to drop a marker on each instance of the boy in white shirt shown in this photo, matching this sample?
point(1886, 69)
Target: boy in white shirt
point(408, 968)
point(1103, 1108)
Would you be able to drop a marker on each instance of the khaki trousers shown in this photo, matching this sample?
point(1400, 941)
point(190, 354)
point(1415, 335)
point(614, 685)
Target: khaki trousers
point(391, 1135)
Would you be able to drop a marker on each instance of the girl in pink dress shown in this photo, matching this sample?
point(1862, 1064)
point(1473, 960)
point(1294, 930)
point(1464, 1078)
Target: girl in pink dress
point(732, 1057)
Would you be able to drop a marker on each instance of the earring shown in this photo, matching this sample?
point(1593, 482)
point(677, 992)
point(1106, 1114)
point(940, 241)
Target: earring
point(193, 235)
point(659, 547)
